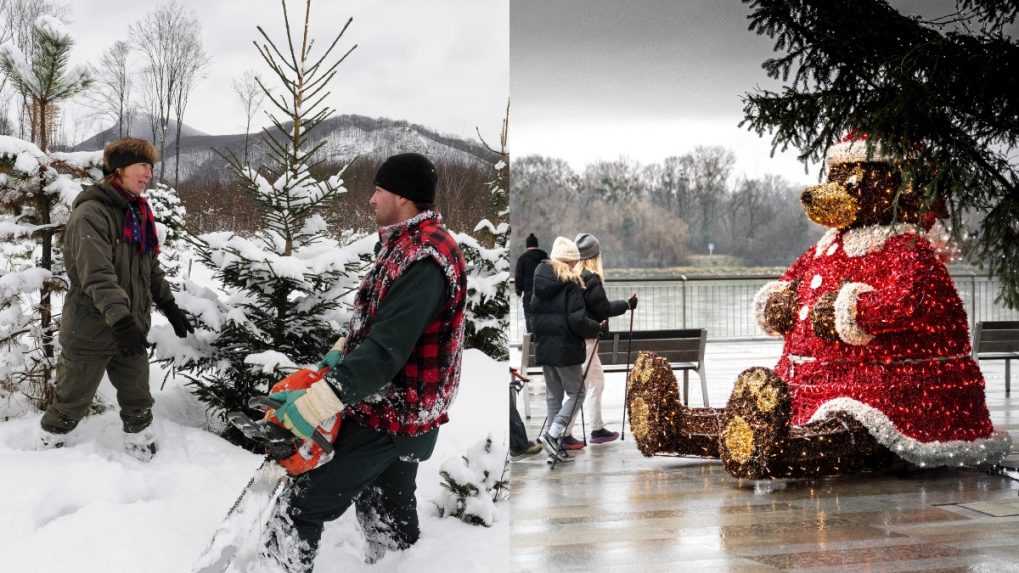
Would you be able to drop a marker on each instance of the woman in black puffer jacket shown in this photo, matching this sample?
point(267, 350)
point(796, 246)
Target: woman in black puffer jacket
point(560, 325)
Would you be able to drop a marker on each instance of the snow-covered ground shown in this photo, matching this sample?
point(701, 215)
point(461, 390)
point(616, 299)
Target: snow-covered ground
point(90, 507)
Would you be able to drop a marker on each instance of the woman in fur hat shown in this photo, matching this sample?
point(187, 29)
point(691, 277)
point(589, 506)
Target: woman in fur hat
point(560, 325)
point(111, 253)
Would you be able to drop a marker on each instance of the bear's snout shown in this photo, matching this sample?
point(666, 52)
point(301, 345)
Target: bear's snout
point(830, 204)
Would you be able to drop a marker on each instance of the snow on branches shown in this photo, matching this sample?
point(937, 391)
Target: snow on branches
point(472, 483)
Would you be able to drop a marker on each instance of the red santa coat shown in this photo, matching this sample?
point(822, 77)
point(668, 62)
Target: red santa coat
point(902, 365)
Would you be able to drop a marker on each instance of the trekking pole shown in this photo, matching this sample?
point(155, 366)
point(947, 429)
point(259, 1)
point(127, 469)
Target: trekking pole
point(626, 382)
point(580, 398)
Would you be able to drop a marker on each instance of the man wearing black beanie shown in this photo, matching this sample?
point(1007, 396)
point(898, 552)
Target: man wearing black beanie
point(395, 376)
point(523, 279)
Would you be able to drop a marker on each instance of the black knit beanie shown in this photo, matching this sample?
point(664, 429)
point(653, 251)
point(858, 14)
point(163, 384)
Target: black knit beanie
point(531, 241)
point(409, 175)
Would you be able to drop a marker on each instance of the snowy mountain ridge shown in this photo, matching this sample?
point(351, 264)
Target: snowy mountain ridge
point(345, 137)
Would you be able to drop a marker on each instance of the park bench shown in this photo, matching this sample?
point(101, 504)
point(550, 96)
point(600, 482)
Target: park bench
point(683, 348)
point(997, 340)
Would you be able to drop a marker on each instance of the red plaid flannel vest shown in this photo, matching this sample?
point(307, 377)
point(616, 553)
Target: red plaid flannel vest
point(417, 399)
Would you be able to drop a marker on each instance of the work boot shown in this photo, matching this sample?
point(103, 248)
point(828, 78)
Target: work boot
point(140, 445)
point(531, 449)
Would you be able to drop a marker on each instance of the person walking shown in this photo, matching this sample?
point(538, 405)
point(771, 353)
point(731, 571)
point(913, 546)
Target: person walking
point(523, 278)
point(111, 252)
point(599, 308)
point(393, 379)
point(560, 324)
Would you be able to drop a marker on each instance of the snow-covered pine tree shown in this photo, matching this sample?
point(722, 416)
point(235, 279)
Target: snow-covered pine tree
point(472, 483)
point(170, 215)
point(488, 268)
point(36, 193)
point(278, 306)
point(34, 196)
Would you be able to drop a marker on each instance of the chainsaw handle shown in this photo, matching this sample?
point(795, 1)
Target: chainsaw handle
point(322, 441)
point(265, 403)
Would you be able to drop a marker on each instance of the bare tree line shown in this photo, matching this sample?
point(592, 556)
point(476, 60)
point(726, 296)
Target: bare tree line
point(658, 214)
point(164, 57)
point(217, 203)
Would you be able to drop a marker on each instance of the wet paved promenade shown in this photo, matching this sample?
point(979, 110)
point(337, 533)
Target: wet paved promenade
point(615, 510)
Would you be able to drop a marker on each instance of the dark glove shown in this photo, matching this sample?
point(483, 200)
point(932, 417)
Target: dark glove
point(603, 327)
point(129, 336)
point(632, 301)
point(178, 320)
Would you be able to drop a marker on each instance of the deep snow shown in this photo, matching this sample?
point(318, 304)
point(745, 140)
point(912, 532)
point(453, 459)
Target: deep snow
point(90, 507)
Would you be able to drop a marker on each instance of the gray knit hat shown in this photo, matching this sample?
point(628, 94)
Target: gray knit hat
point(588, 246)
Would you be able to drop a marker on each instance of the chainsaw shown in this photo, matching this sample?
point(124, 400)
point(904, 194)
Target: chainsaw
point(287, 456)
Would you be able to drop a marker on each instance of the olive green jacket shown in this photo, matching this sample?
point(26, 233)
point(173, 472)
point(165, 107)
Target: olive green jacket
point(109, 278)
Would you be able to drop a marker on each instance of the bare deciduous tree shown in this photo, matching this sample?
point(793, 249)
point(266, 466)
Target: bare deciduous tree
point(168, 41)
point(191, 60)
point(110, 99)
point(248, 91)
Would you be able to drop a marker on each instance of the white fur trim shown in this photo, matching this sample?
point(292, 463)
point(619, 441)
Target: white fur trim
point(761, 302)
point(845, 314)
point(867, 240)
point(827, 240)
point(983, 451)
point(854, 152)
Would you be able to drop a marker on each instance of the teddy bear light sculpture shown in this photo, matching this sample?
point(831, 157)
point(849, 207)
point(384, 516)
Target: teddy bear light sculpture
point(876, 366)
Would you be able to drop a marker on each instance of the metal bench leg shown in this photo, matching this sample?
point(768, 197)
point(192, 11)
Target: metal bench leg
point(686, 387)
point(704, 387)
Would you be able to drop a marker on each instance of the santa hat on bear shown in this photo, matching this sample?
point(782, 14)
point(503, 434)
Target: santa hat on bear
point(853, 148)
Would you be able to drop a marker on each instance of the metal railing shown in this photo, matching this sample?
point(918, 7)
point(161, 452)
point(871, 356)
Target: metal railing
point(722, 304)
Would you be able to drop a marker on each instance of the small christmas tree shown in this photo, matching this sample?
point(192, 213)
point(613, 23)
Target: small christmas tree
point(488, 268)
point(36, 193)
point(472, 483)
point(278, 307)
point(37, 189)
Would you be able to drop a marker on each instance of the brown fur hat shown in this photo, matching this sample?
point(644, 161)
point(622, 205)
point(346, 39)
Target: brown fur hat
point(128, 151)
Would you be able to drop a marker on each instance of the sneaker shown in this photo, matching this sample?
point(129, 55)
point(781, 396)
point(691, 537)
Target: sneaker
point(562, 458)
point(549, 444)
point(531, 449)
point(140, 445)
point(601, 436)
point(49, 440)
point(571, 443)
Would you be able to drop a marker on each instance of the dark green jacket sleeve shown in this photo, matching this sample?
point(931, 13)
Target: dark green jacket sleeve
point(412, 302)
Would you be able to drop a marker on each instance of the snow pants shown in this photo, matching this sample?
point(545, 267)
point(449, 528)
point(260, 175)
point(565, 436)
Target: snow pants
point(560, 381)
point(370, 471)
point(78, 376)
point(595, 387)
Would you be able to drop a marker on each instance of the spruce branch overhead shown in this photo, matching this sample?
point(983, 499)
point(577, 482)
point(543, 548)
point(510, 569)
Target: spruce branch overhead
point(937, 93)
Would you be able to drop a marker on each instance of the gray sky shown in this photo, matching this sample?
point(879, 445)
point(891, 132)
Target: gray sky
point(443, 64)
point(597, 79)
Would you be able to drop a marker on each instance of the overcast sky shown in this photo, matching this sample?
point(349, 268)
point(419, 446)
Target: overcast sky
point(443, 64)
point(597, 79)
